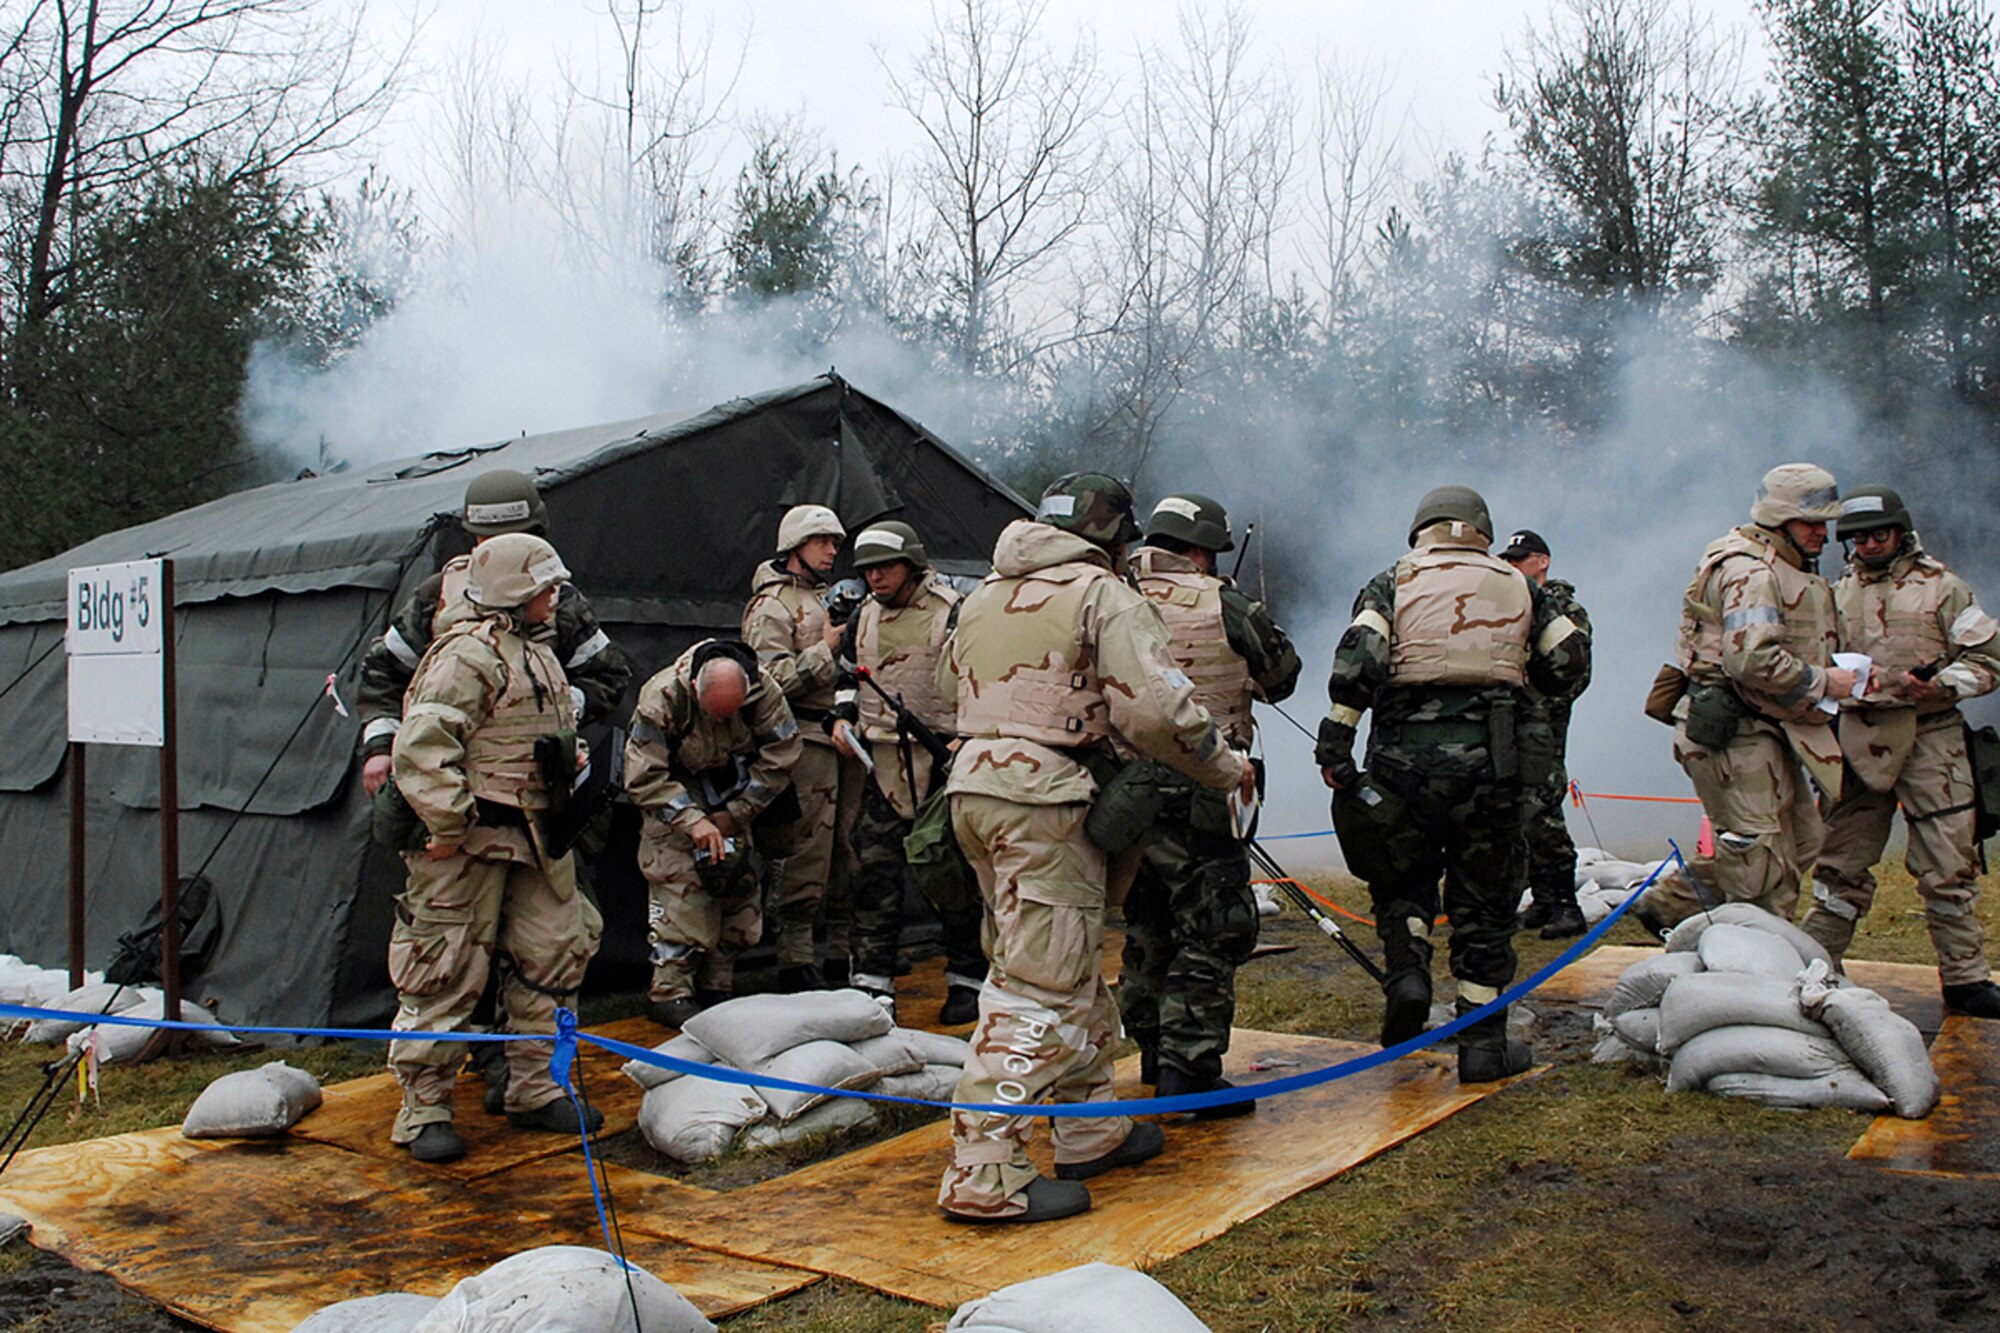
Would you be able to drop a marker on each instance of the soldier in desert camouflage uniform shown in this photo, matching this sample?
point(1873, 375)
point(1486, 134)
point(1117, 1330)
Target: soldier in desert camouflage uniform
point(712, 746)
point(1054, 657)
point(1756, 645)
point(1190, 917)
point(1931, 646)
point(1442, 647)
point(484, 693)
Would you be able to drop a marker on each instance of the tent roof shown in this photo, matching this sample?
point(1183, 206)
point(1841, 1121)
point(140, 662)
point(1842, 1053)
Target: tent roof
point(356, 528)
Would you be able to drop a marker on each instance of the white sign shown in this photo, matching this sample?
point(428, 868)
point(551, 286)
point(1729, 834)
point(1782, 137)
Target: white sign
point(116, 654)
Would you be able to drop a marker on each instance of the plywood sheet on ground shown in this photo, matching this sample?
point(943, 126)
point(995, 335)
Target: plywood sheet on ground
point(1961, 1138)
point(252, 1236)
point(356, 1114)
point(870, 1215)
point(1910, 988)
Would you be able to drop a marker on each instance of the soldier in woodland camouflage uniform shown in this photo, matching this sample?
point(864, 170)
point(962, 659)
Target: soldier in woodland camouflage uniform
point(1544, 728)
point(1905, 743)
point(898, 636)
point(1756, 645)
point(712, 745)
point(1055, 656)
point(1443, 647)
point(1190, 917)
point(496, 503)
point(485, 691)
point(786, 624)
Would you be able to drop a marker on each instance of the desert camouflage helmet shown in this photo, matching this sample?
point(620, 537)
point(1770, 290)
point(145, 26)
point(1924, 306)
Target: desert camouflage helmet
point(1093, 505)
point(502, 501)
point(1194, 519)
point(1866, 508)
point(1795, 491)
point(802, 522)
point(889, 541)
point(511, 570)
point(1459, 503)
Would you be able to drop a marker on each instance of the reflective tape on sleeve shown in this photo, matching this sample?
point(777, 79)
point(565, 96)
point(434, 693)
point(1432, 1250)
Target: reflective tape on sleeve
point(399, 648)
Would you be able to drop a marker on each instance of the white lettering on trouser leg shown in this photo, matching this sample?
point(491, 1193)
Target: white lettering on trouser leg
point(1835, 905)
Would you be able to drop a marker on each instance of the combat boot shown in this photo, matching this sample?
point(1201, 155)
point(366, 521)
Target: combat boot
point(673, 1013)
point(490, 1060)
point(836, 974)
point(1977, 999)
point(1142, 1144)
point(799, 978)
point(437, 1142)
point(1175, 1083)
point(1566, 921)
point(557, 1117)
point(1485, 1054)
point(1047, 1201)
point(1407, 991)
point(961, 1005)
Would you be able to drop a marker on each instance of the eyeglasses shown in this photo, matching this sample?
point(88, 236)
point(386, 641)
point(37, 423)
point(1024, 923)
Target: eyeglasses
point(1877, 537)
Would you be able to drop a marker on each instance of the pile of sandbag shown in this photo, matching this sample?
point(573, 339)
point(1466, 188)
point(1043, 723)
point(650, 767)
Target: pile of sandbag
point(34, 987)
point(118, 1042)
point(1745, 1004)
point(831, 1039)
point(1603, 882)
point(554, 1289)
point(1090, 1298)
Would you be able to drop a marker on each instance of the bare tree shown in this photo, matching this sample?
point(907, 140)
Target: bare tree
point(1356, 138)
point(1009, 163)
point(95, 93)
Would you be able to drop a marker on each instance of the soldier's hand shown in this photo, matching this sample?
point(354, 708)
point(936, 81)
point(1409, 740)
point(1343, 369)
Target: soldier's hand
point(1246, 786)
point(708, 838)
point(375, 772)
point(725, 823)
point(1919, 690)
point(845, 741)
point(1839, 683)
point(1340, 773)
point(439, 851)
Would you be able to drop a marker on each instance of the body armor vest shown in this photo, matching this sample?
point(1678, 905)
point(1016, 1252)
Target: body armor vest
point(1893, 617)
point(1805, 608)
point(1191, 604)
point(535, 702)
point(808, 621)
point(1023, 670)
point(900, 646)
point(1462, 617)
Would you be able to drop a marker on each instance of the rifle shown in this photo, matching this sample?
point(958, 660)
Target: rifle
point(1311, 909)
point(907, 722)
point(1243, 551)
point(576, 799)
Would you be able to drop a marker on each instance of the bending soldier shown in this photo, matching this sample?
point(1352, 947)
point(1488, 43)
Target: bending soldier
point(1443, 647)
point(485, 693)
point(712, 748)
point(898, 636)
point(1756, 647)
point(1190, 916)
point(1905, 743)
point(788, 628)
point(1544, 755)
point(597, 672)
point(1055, 657)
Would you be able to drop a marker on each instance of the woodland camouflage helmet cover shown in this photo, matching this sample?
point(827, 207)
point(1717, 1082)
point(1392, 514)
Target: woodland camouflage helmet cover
point(1194, 519)
point(886, 542)
point(502, 501)
point(1790, 491)
point(1460, 503)
point(1094, 505)
point(512, 570)
point(803, 522)
point(1866, 508)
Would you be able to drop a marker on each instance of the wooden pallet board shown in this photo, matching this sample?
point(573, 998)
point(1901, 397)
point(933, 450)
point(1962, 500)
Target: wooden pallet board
point(1910, 988)
point(1961, 1138)
point(250, 1236)
point(871, 1216)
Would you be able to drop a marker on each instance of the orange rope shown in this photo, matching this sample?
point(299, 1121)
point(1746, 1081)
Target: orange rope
point(1329, 903)
point(1663, 800)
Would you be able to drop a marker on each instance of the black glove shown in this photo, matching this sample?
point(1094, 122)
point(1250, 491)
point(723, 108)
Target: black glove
point(845, 711)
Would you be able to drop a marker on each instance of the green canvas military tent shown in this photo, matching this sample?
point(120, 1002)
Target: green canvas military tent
point(662, 521)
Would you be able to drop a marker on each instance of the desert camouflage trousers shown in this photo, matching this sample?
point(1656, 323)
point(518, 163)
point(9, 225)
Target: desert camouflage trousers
point(1190, 922)
point(1046, 1019)
point(880, 888)
point(457, 920)
point(1935, 792)
point(696, 929)
point(1767, 827)
point(813, 881)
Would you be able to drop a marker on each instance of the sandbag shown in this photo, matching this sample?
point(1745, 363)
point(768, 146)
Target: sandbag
point(889, 1053)
point(118, 1043)
point(89, 999)
point(932, 1083)
point(1743, 1049)
point(1596, 903)
point(1707, 1000)
point(694, 1119)
point(1612, 1049)
point(1727, 948)
point(1686, 937)
point(562, 1289)
point(1609, 874)
point(1886, 1046)
point(827, 1064)
point(1639, 1029)
point(1091, 1298)
point(746, 1032)
point(681, 1047)
point(827, 1117)
point(1847, 1092)
point(936, 1048)
point(396, 1312)
point(252, 1103)
point(1641, 985)
point(34, 987)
